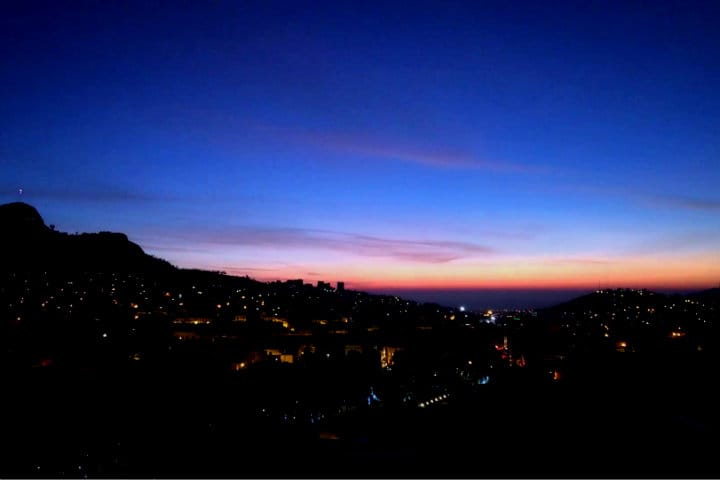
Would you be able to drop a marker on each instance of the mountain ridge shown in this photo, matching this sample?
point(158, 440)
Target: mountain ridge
point(30, 245)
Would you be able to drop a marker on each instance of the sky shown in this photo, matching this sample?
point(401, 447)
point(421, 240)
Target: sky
point(396, 146)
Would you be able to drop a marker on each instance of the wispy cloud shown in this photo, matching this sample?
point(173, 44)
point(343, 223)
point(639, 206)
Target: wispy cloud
point(433, 157)
point(648, 199)
point(684, 202)
point(366, 145)
point(171, 248)
point(579, 261)
point(235, 270)
point(424, 251)
point(679, 242)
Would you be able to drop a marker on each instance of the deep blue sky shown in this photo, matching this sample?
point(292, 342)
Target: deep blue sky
point(391, 145)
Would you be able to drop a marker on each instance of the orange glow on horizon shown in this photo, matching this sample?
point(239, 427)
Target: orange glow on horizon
point(519, 284)
point(696, 271)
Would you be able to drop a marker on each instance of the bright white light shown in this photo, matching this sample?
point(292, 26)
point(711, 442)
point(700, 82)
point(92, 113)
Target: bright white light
point(462, 308)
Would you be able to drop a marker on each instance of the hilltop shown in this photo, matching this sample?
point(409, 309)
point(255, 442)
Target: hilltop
point(28, 244)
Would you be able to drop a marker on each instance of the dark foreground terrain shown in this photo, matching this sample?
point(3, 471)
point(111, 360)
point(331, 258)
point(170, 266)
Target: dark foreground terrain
point(139, 426)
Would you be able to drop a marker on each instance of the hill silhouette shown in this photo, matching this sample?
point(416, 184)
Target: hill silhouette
point(28, 244)
point(535, 394)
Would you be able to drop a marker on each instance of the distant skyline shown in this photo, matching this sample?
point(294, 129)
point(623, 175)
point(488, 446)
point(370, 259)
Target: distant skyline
point(396, 147)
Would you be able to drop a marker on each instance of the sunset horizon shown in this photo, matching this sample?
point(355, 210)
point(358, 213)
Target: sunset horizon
point(537, 283)
point(465, 146)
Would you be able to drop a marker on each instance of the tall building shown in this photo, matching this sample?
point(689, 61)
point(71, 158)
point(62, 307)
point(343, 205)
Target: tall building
point(340, 286)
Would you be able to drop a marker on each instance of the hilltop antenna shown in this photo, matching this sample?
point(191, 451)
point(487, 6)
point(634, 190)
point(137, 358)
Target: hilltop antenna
point(20, 191)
